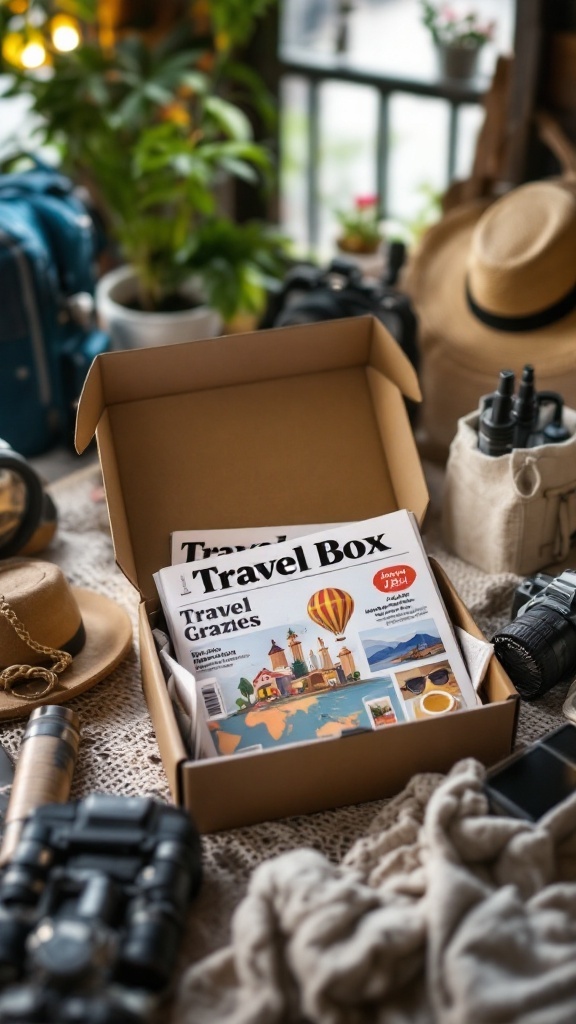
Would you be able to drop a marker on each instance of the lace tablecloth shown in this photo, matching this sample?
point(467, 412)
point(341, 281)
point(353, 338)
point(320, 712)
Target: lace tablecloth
point(119, 753)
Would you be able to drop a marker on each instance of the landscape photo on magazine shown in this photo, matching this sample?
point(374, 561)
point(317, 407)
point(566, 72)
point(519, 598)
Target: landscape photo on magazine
point(339, 632)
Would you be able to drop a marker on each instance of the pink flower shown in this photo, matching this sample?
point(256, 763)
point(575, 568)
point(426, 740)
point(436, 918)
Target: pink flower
point(451, 28)
point(365, 202)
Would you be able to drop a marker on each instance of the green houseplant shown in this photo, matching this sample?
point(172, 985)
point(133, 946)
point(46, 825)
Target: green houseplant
point(157, 131)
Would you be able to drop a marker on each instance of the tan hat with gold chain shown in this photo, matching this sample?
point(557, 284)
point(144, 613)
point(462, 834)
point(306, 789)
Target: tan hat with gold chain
point(55, 640)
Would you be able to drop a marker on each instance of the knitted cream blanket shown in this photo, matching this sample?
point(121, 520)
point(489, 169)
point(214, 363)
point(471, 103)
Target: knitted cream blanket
point(440, 913)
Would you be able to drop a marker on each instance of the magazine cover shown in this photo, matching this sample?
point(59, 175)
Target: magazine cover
point(192, 545)
point(317, 637)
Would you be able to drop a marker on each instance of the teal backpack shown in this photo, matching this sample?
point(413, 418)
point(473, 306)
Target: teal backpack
point(48, 248)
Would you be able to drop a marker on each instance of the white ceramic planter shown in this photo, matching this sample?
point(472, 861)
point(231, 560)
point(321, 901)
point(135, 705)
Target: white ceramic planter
point(457, 61)
point(131, 328)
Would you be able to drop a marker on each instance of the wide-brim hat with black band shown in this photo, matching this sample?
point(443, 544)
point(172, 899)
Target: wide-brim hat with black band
point(494, 287)
point(52, 628)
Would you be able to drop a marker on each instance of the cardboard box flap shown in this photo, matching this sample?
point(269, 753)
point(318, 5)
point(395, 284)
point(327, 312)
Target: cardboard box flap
point(93, 414)
point(294, 425)
point(90, 406)
point(387, 356)
point(221, 362)
point(410, 487)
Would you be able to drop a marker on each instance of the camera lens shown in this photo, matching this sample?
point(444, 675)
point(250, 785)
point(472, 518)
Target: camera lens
point(537, 650)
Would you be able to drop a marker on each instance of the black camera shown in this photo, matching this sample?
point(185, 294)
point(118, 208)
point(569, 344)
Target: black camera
point(93, 905)
point(311, 294)
point(538, 648)
point(531, 587)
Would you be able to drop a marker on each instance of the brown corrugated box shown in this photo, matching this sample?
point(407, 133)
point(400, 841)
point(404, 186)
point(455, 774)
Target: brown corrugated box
point(293, 425)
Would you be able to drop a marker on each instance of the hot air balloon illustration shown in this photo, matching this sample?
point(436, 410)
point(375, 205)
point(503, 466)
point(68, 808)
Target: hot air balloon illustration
point(331, 608)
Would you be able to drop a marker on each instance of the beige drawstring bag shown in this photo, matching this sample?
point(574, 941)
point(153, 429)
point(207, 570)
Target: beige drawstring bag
point(513, 513)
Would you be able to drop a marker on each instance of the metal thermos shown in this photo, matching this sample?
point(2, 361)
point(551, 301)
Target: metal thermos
point(44, 768)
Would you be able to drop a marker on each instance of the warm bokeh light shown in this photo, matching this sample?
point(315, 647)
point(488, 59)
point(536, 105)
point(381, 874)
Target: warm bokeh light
point(12, 46)
point(65, 33)
point(177, 113)
point(18, 6)
point(33, 55)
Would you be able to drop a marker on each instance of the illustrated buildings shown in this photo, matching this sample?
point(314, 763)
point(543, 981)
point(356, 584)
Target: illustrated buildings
point(319, 672)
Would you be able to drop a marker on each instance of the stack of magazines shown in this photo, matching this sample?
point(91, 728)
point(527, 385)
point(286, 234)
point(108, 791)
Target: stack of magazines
point(306, 633)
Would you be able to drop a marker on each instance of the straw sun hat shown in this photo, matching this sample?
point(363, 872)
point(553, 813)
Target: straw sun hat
point(55, 640)
point(494, 287)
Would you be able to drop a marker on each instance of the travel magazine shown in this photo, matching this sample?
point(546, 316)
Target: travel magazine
point(193, 545)
point(320, 636)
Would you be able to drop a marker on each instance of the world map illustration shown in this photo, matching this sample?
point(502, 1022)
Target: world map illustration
point(331, 713)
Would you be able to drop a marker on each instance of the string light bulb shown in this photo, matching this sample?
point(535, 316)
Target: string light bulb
point(65, 33)
point(18, 6)
point(12, 45)
point(33, 54)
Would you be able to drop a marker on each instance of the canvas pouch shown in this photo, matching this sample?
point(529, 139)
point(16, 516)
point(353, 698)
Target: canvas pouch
point(511, 513)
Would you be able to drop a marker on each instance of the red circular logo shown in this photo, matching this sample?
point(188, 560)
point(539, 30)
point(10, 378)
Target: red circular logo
point(394, 578)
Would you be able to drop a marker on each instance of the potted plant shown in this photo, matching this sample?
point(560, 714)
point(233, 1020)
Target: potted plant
point(360, 227)
point(157, 131)
point(361, 234)
point(458, 38)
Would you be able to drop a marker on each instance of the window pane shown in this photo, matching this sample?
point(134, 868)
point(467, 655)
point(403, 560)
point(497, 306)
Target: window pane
point(385, 39)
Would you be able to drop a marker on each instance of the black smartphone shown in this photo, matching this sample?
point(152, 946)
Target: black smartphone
point(532, 782)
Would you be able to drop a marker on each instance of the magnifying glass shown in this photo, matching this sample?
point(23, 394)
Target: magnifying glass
point(27, 512)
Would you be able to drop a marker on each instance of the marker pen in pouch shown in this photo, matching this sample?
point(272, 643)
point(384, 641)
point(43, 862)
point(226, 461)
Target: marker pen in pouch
point(526, 409)
point(496, 425)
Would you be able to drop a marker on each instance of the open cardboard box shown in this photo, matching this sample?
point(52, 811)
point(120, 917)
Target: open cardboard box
point(293, 425)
